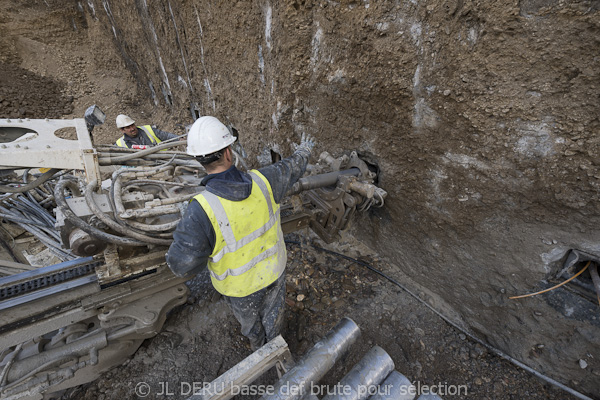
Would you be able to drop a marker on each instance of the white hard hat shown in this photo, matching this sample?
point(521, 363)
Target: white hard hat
point(208, 135)
point(123, 121)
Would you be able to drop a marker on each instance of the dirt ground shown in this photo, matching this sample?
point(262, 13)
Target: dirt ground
point(201, 339)
point(51, 72)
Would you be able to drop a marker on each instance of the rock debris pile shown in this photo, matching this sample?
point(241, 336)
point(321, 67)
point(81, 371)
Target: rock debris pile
point(24, 94)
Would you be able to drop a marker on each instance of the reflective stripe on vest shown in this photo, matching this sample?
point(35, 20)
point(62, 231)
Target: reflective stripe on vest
point(147, 130)
point(150, 133)
point(242, 266)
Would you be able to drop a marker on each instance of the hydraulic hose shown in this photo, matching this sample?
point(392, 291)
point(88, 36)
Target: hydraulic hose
point(61, 202)
point(154, 228)
point(142, 153)
point(115, 189)
point(35, 208)
point(12, 218)
point(89, 198)
point(43, 178)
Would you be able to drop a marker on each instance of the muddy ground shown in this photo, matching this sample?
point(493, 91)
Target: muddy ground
point(45, 50)
point(201, 339)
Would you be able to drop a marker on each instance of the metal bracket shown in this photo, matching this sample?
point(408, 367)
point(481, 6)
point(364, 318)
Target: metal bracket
point(39, 147)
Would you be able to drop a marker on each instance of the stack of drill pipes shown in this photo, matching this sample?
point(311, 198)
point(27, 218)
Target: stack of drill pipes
point(297, 382)
point(395, 387)
point(364, 378)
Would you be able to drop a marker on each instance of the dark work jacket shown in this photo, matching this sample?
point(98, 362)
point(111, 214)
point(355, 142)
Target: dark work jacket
point(143, 139)
point(194, 238)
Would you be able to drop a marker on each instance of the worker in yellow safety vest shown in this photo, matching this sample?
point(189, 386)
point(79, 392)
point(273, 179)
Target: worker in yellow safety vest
point(234, 228)
point(140, 137)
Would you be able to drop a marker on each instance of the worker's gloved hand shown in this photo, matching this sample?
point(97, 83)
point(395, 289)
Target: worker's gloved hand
point(306, 144)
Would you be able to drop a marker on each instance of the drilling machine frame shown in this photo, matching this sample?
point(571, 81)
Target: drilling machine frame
point(62, 325)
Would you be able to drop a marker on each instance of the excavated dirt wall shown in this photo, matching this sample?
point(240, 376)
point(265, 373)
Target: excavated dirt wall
point(482, 118)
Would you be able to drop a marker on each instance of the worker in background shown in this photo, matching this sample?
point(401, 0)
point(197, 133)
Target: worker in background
point(140, 137)
point(234, 228)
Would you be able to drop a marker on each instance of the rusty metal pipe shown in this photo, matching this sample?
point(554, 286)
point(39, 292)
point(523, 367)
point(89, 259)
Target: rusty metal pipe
point(297, 382)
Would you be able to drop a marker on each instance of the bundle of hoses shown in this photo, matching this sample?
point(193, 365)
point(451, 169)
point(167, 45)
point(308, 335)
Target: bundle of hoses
point(29, 207)
point(123, 221)
point(30, 204)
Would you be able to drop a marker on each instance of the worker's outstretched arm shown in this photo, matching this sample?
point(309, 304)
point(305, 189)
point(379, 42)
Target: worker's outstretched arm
point(283, 174)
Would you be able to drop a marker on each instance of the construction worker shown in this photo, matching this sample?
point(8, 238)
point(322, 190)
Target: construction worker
point(139, 136)
point(234, 228)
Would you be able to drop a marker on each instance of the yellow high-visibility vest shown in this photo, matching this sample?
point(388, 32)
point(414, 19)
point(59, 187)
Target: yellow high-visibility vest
point(249, 251)
point(149, 132)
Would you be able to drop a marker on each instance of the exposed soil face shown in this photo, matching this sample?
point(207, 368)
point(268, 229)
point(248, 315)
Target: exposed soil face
point(481, 117)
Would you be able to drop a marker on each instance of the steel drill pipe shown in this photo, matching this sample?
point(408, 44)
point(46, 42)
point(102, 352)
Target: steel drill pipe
point(363, 378)
point(321, 180)
point(395, 387)
point(297, 382)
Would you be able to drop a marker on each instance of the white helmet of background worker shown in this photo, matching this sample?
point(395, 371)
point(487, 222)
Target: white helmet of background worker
point(208, 135)
point(123, 121)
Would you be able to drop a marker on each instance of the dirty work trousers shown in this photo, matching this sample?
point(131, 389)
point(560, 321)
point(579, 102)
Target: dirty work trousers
point(261, 313)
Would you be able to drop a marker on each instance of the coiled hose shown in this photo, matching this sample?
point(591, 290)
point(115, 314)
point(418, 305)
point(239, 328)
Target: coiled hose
point(113, 224)
point(61, 202)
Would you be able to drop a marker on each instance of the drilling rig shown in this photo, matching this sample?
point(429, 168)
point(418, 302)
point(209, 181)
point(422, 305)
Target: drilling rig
point(107, 214)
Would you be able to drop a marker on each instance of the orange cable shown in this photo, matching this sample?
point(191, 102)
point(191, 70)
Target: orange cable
point(553, 287)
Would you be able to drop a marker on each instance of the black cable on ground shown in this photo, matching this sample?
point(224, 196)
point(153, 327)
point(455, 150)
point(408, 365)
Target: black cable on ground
point(494, 350)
